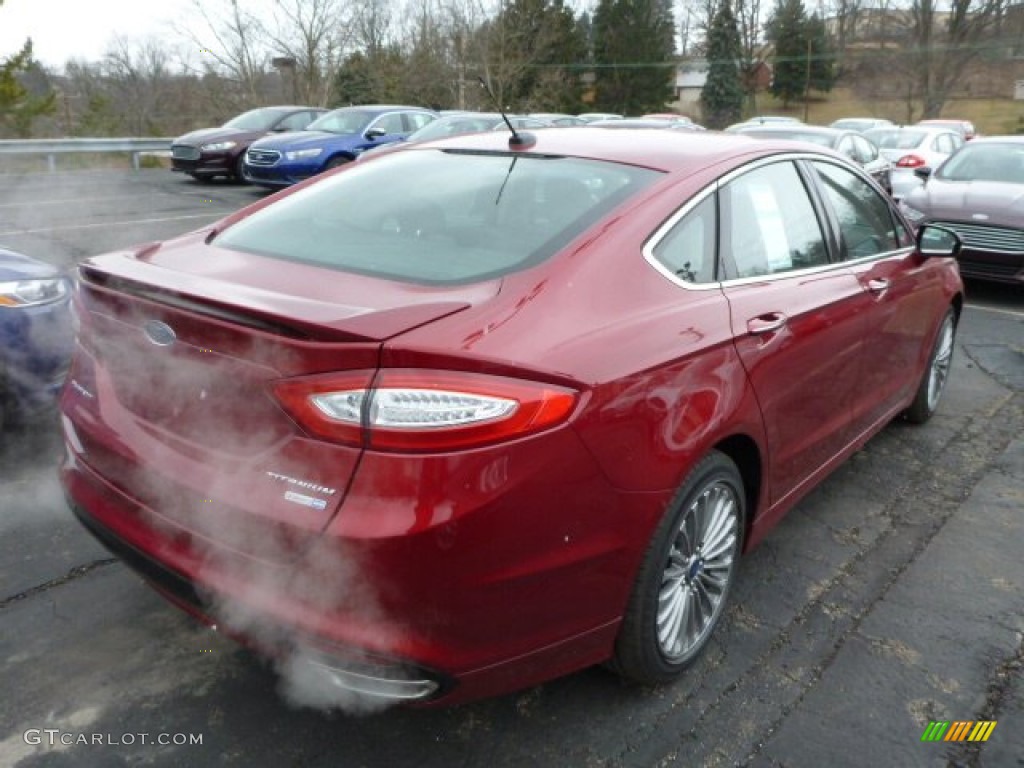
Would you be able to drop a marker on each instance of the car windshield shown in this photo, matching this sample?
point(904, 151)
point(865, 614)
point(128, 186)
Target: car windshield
point(885, 138)
point(453, 126)
point(821, 139)
point(495, 213)
point(255, 120)
point(344, 121)
point(985, 162)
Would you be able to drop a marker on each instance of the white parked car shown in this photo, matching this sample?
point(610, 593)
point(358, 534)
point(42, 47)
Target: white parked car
point(913, 147)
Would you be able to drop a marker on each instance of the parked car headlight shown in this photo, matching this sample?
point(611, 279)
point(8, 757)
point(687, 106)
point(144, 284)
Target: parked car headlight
point(299, 154)
point(29, 293)
point(913, 215)
point(218, 146)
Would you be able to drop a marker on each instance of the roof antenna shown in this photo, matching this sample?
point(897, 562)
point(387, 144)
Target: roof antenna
point(516, 140)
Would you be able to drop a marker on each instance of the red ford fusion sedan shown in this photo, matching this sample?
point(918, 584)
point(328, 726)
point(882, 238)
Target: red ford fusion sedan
point(479, 413)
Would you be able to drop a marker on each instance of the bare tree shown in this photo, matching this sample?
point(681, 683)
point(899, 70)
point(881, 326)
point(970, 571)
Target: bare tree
point(232, 40)
point(846, 19)
point(751, 29)
point(315, 33)
point(940, 47)
point(139, 79)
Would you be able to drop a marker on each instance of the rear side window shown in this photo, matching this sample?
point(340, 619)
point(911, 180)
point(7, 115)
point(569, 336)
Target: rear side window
point(688, 249)
point(439, 217)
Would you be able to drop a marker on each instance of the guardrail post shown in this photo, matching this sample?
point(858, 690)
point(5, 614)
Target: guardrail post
point(51, 162)
point(135, 160)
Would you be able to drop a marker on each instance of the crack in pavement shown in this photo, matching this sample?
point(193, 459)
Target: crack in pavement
point(74, 573)
point(968, 753)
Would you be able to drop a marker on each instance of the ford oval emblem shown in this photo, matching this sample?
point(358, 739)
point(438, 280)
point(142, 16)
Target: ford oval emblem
point(160, 333)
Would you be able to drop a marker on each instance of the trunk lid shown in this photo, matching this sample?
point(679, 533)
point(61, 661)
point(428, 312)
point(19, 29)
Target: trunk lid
point(172, 391)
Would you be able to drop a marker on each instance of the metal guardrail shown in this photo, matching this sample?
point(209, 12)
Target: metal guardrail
point(53, 147)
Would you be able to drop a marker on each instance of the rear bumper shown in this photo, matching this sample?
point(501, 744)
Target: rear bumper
point(336, 671)
point(441, 603)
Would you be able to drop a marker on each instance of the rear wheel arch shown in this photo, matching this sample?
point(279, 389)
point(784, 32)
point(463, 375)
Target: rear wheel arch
point(746, 455)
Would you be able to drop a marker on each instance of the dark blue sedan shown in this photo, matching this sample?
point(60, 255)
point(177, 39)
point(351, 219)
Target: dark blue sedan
point(337, 138)
point(35, 335)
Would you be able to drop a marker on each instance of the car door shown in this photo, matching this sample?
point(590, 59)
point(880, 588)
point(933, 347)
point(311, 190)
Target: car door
point(795, 318)
point(393, 128)
point(899, 293)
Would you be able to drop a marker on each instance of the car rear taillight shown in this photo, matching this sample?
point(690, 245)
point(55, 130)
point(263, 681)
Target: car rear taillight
point(422, 410)
point(910, 161)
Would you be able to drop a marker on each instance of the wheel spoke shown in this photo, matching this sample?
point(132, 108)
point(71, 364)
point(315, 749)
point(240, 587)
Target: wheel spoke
point(670, 616)
point(698, 570)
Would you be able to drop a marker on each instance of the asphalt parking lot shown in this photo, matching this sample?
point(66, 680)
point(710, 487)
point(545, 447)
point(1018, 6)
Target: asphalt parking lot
point(892, 596)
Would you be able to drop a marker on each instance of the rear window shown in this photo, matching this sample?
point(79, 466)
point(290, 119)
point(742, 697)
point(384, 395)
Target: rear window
point(812, 137)
point(439, 217)
point(898, 139)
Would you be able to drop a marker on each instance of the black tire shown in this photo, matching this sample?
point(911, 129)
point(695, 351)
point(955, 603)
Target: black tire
point(239, 174)
point(685, 577)
point(337, 162)
point(933, 382)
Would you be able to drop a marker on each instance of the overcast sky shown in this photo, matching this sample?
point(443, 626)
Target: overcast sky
point(61, 29)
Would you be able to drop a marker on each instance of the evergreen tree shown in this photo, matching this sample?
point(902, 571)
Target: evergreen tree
point(823, 60)
point(535, 49)
point(788, 29)
point(18, 107)
point(722, 96)
point(634, 49)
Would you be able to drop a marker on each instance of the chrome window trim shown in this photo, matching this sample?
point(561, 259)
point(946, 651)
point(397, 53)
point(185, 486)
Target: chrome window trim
point(654, 240)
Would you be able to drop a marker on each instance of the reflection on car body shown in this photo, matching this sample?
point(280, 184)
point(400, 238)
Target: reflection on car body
point(557, 396)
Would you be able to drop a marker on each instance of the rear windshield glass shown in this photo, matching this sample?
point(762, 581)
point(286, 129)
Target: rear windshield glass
point(822, 139)
point(898, 139)
point(433, 216)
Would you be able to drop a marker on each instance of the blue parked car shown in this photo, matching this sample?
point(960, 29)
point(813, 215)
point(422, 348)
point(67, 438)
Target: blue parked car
point(36, 335)
point(337, 138)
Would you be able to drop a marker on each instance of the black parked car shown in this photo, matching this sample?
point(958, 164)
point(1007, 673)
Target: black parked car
point(211, 152)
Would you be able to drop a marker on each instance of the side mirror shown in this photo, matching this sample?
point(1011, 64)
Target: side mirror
point(923, 173)
point(375, 133)
point(933, 240)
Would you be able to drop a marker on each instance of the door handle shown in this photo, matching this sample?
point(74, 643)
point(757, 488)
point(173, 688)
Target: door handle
point(878, 286)
point(766, 323)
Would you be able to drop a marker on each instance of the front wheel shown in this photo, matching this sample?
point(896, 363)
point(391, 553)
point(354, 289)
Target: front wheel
point(685, 578)
point(337, 162)
point(929, 391)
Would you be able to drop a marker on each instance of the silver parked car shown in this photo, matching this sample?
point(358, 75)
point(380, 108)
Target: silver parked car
point(913, 147)
point(979, 194)
point(850, 143)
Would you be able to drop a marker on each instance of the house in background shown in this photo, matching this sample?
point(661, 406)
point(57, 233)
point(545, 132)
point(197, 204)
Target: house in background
point(691, 75)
